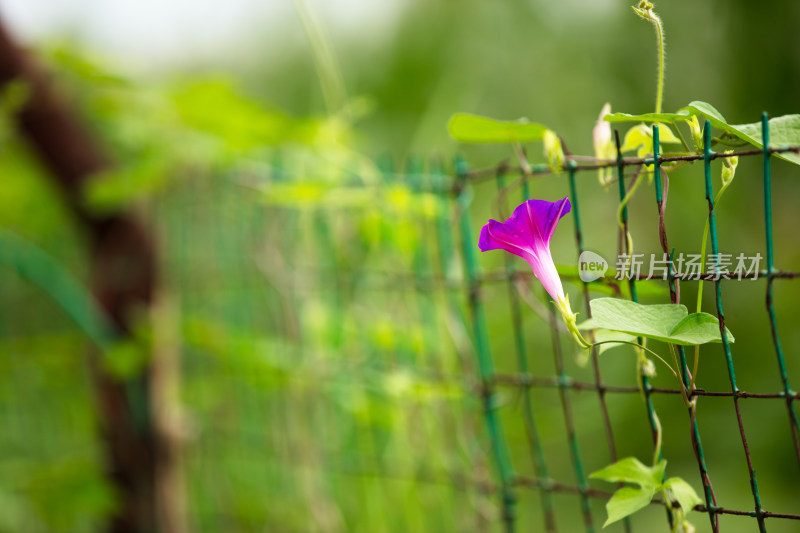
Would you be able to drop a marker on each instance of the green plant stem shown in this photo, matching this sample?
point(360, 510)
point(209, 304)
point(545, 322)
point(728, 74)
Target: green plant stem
point(674, 523)
point(328, 71)
point(683, 141)
point(645, 11)
point(703, 249)
point(637, 345)
point(669, 169)
point(703, 263)
point(660, 36)
point(657, 450)
point(699, 305)
point(523, 161)
point(636, 181)
point(684, 392)
point(620, 212)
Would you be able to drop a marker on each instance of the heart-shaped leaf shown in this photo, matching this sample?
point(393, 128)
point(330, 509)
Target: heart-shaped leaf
point(666, 118)
point(631, 470)
point(670, 323)
point(697, 328)
point(627, 501)
point(683, 492)
point(469, 128)
point(783, 131)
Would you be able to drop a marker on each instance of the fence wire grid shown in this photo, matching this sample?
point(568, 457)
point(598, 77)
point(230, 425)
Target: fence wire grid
point(509, 482)
point(344, 359)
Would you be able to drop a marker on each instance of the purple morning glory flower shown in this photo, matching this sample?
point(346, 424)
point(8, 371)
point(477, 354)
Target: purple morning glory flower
point(527, 234)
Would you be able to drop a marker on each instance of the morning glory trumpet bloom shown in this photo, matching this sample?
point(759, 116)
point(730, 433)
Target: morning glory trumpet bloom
point(527, 234)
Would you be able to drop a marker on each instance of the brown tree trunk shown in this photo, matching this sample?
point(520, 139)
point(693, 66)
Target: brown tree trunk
point(123, 278)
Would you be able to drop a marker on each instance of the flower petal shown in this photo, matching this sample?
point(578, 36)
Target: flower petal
point(527, 234)
point(545, 215)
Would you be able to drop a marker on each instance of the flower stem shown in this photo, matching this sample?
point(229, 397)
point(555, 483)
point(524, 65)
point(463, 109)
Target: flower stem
point(624, 202)
point(645, 10)
point(637, 345)
point(657, 450)
point(660, 35)
point(725, 184)
point(684, 391)
point(523, 161)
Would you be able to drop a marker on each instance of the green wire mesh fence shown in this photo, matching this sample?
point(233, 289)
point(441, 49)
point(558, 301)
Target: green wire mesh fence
point(348, 361)
point(511, 483)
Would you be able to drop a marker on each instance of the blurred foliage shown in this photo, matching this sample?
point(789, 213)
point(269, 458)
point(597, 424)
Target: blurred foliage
point(313, 286)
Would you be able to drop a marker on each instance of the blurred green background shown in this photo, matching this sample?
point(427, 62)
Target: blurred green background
point(289, 169)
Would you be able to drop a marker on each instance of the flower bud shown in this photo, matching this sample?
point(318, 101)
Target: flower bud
point(648, 367)
point(553, 151)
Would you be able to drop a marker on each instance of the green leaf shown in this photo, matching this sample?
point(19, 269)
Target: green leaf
point(658, 472)
point(219, 109)
point(627, 501)
point(698, 328)
point(666, 135)
point(665, 118)
point(45, 271)
point(707, 111)
point(605, 336)
point(642, 136)
point(113, 189)
point(470, 128)
point(663, 322)
point(635, 137)
point(631, 470)
point(784, 131)
point(683, 492)
point(652, 321)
